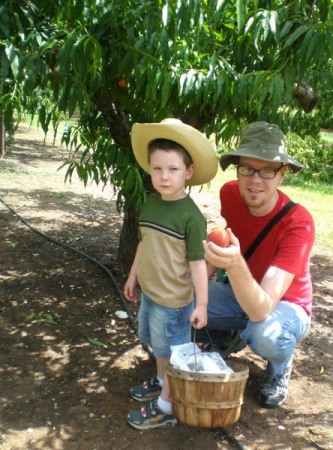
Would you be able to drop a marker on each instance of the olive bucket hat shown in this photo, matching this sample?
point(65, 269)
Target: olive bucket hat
point(195, 143)
point(262, 140)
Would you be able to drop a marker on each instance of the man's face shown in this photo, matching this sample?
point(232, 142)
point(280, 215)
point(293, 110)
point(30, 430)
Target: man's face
point(259, 194)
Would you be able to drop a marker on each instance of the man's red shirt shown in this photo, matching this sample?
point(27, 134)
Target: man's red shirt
point(287, 246)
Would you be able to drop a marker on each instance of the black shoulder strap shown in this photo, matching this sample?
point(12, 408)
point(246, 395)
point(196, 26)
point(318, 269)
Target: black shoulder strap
point(268, 228)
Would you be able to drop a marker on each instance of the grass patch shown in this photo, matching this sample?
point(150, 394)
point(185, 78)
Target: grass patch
point(327, 137)
point(11, 167)
point(319, 203)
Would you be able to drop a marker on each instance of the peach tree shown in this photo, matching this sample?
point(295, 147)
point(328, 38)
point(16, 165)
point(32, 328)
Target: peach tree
point(103, 65)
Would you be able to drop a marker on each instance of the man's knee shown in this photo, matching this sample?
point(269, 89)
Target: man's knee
point(261, 337)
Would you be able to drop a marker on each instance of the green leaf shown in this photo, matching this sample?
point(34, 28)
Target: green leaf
point(249, 25)
point(241, 13)
point(286, 28)
point(30, 316)
point(65, 51)
point(217, 88)
point(41, 117)
point(96, 342)
point(13, 58)
point(191, 77)
point(301, 52)
point(276, 90)
point(46, 318)
point(295, 35)
point(166, 89)
point(64, 97)
point(312, 49)
point(199, 84)
point(324, 9)
point(273, 20)
point(4, 66)
point(288, 81)
point(43, 318)
point(73, 96)
point(66, 135)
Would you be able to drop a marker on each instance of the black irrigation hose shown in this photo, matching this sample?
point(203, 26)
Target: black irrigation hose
point(131, 318)
point(232, 439)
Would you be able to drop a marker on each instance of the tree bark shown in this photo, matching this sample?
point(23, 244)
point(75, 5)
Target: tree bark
point(2, 138)
point(116, 122)
point(128, 239)
point(115, 119)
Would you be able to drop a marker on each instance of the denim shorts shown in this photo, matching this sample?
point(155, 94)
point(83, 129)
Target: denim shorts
point(160, 326)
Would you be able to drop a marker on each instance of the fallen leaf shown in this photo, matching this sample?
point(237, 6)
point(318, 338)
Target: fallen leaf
point(94, 341)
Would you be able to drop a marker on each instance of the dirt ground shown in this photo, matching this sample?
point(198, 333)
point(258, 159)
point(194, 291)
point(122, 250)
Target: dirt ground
point(66, 360)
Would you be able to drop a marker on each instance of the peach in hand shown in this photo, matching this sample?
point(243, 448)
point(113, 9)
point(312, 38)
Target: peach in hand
point(219, 236)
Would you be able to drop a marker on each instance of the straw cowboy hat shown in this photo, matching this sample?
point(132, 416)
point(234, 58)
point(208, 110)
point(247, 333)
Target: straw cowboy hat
point(195, 143)
point(262, 140)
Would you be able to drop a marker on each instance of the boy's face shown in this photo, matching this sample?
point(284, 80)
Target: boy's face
point(169, 173)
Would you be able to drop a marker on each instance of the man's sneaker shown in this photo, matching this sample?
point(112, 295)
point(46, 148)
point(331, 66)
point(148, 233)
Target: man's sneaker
point(150, 416)
point(147, 390)
point(274, 390)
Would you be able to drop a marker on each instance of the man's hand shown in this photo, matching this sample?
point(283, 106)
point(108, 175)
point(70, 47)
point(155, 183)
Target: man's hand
point(223, 257)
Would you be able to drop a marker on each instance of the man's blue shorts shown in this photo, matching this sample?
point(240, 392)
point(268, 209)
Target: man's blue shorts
point(160, 326)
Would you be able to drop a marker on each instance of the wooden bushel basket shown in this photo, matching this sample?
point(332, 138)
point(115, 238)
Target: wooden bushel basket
point(208, 400)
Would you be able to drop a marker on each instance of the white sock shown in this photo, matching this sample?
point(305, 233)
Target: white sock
point(161, 381)
point(164, 406)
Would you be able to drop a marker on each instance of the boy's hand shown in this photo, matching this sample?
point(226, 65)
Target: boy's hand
point(130, 289)
point(198, 318)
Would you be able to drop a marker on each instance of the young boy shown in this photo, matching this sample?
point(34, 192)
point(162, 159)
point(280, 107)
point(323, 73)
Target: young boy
point(169, 260)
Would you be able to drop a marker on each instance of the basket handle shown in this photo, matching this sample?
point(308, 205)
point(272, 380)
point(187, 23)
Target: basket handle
point(194, 342)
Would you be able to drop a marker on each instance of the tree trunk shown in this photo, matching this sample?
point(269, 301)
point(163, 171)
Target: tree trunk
point(128, 239)
point(115, 119)
point(2, 138)
point(120, 134)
